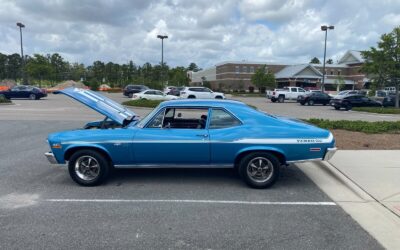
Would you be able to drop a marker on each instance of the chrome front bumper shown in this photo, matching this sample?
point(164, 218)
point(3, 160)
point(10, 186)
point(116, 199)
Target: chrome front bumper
point(50, 157)
point(329, 153)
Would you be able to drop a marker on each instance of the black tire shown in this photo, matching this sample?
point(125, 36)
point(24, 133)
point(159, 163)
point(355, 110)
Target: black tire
point(337, 108)
point(218, 97)
point(273, 167)
point(79, 157)
point(324, 103)
point(348, 107)
point(32, 97)
point(302, 103)
point(281, 98)
point(130, 95)
point(311, 102)
point(191, 97)
point(273, 100)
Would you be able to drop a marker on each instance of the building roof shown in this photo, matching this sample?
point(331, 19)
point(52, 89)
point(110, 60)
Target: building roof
point(351, 57)
point(333, 81)
point(248, 62)
point(299, 71)
point(334, 65)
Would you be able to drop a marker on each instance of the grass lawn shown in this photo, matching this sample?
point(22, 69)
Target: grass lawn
point(358, 126)
point(378, 110)
point(142, 103)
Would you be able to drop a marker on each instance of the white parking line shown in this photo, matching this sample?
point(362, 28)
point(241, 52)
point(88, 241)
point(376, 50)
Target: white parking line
point(291, 203)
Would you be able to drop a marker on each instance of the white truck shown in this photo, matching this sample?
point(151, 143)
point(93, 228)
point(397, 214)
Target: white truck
point(287, 93)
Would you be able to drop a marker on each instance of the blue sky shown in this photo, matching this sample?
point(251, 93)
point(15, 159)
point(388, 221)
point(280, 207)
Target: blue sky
point(205, 32)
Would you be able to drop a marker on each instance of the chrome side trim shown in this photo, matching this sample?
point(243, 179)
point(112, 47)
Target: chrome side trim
point(299, 161)
point(50, 157)
point(329, 153)
point(134, 166)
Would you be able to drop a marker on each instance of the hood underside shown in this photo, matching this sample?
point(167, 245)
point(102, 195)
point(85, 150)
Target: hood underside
point(100, 103)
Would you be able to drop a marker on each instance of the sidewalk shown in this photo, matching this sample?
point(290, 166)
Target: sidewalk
point(366, 184)
point(377, 172)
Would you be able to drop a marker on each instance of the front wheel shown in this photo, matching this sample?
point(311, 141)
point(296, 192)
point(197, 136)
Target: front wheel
point(311, 102)
point(88, 168)
point(259, 169)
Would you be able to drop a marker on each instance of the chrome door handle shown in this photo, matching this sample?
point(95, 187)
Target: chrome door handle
point(202, 135)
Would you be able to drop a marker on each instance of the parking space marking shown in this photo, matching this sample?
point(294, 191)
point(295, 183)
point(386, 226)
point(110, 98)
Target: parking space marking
point(234, 202)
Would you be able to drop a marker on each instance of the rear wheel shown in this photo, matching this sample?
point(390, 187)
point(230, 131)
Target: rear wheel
point(259, 169)
point(302, 103)
point(88, 167)
point(311, 102)
point(191, 97)
point(337, 108)
point(348, 106)
point(281, 98)
point(273, 100)
point(218, 97)
point(32, 96)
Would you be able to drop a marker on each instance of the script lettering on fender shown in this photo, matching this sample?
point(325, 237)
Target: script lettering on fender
point(309, 140)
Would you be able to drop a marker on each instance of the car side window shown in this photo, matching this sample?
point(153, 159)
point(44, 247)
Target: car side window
point(157, 121)
point(222, 119)
point(294, 90)
point(180, 118)
point(302, 90)
point(158, 93)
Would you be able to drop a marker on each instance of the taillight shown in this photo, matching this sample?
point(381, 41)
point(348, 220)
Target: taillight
point(273, 93)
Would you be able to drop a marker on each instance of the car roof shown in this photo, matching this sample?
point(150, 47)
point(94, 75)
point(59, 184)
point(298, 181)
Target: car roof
point(202, 103)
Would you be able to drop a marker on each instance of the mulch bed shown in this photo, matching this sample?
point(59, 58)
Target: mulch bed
point(357, 140)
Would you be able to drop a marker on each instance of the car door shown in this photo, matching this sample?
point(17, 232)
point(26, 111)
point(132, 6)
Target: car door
point(158, 95)
point(293, 93)
point(224, 128)
point(173, 136)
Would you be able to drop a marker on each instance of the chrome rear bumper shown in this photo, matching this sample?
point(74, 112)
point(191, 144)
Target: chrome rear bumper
point(329, 153)
point(50, 157)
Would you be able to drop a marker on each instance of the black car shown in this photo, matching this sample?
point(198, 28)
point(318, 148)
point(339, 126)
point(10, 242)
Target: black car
point(389, 101)
point(129, 90)
point(314, 98)
point(176, 91)
point(349, 101)
point(24, 91)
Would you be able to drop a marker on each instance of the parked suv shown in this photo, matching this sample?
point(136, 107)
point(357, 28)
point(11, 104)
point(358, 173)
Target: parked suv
point(129, 90)
point(349, 101)
point(201, 93)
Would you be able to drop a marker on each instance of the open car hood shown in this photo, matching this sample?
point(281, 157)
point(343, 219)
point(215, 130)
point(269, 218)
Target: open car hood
point(100, 103)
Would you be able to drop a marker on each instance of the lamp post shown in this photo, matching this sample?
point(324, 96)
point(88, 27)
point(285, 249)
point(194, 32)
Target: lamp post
point(325, 28)
point(21, 25)
point(162, 56)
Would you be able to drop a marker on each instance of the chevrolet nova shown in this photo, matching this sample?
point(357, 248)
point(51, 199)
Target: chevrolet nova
point(184, 134)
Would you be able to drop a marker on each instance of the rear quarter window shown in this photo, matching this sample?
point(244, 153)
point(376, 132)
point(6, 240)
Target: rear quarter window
point(220, 118)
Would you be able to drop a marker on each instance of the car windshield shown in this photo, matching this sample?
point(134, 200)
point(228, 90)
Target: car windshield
point(145, 119)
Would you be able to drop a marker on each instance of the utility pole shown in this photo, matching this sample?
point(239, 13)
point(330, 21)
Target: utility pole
point(325, 28)
point(162, 56)
point(21, 25)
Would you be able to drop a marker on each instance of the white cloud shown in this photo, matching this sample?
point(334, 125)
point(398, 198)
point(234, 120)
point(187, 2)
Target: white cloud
point(205, 32)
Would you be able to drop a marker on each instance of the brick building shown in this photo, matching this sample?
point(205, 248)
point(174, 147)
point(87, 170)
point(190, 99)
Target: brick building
point(236, 75)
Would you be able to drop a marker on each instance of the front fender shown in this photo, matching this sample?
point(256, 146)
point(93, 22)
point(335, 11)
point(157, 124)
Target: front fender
point(72, 147)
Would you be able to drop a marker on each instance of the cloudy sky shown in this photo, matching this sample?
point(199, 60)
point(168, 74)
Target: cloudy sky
point(203, 31)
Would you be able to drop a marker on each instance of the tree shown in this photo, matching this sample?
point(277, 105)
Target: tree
point(263, 79)
point(383, 62)
point(39, 67)
point(315, 60)
point(339, 82)
point(193, 67)
point(329, 61)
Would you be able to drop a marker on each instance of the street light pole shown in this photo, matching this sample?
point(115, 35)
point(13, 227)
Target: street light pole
point(325, 28)
point(21, 25)
point(162, 56)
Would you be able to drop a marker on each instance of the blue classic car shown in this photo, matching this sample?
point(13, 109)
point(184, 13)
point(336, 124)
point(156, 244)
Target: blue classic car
point(186, 133)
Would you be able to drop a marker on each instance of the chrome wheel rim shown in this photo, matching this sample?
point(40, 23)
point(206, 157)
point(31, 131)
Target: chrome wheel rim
point(32, 96)
point(260, 169)
point(87, 168)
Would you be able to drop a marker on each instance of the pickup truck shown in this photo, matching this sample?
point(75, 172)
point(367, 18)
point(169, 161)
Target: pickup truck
point(287, 93)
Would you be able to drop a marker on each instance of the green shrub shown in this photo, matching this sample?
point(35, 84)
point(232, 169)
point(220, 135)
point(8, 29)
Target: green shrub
point(359, 126)
point(142, 103)
point(3, 99)
point(378, 110)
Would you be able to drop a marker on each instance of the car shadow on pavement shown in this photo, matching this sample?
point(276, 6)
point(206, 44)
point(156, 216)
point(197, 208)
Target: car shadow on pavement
point(289, 177)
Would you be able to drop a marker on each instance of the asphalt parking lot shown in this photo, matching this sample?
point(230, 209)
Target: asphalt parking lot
point(40, 206)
